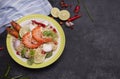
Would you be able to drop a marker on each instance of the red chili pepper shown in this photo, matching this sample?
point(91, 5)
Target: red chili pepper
point(74, 18)
point(77, 8)
point(1, 48)
point(43, 52)
point(38, 23)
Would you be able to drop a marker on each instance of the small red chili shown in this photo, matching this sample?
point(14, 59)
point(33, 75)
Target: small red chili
point(1, 48)
point(54, 30)
point(51, 27)
point(74, 18)
point(43, 52)
point(38, 23)
point(77, 7)
point(18, 53)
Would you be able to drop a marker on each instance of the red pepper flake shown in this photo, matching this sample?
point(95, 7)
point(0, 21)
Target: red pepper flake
point(38, 23)
point(54, 30)
point(1, 48)
point(55, 42)
point(43, 52)
point(51, 27)
point(18, 53)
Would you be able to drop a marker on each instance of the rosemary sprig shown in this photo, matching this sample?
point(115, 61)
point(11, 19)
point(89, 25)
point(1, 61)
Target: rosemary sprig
point(6, 76)
point(7, 72)
point(16, 77)
point(90, 16)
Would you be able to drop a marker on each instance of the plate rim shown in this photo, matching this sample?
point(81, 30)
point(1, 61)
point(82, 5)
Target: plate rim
point(52, 60)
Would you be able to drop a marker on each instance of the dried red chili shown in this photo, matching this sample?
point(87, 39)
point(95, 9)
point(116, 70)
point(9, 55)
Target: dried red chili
point(43, 52)
point(77, 8)
point(74, 18)
point(38, 23)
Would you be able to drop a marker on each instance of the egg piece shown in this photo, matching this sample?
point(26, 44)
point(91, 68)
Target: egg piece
point(47, 47)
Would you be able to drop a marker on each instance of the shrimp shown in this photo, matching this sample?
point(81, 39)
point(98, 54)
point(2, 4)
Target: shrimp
point(29, 42)
point(15, 25)
point(13, 32)
point(37, 35)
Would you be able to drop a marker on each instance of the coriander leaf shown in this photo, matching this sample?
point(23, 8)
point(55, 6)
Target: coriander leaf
point(30, 61)
point(49, 55)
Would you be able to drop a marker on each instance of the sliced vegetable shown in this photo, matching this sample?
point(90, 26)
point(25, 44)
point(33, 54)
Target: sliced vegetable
point(39, 57)
point(64, 15)
point(55, 11)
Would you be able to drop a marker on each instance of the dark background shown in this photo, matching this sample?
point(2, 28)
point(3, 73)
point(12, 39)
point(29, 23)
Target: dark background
point(92, 50)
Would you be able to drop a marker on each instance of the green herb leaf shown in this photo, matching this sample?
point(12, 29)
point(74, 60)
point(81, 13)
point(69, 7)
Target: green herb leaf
point(30, 61)
point(32, 52)
point(49, 55)
point(7, 71)
point(23, 52)
point(16, 77)
point(49, 33)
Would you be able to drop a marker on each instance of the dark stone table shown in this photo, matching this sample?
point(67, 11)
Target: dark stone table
point(92, 49)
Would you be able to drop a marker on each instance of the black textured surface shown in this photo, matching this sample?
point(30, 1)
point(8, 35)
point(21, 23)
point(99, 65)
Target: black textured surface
point(92, 49)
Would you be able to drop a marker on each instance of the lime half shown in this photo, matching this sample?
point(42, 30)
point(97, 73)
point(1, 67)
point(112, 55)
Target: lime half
point(54, 12)
point(64, 15)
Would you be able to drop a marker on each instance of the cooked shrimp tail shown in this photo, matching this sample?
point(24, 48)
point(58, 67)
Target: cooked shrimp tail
point(15, 25)
point(29, 42)
point(12, 32)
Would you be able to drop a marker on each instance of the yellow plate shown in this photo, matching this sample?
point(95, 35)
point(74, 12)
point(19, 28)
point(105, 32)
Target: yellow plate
point(49, 61)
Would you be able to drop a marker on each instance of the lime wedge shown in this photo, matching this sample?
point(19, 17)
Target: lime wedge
point(54, 12)
point(24, 30)
point(64, 15)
